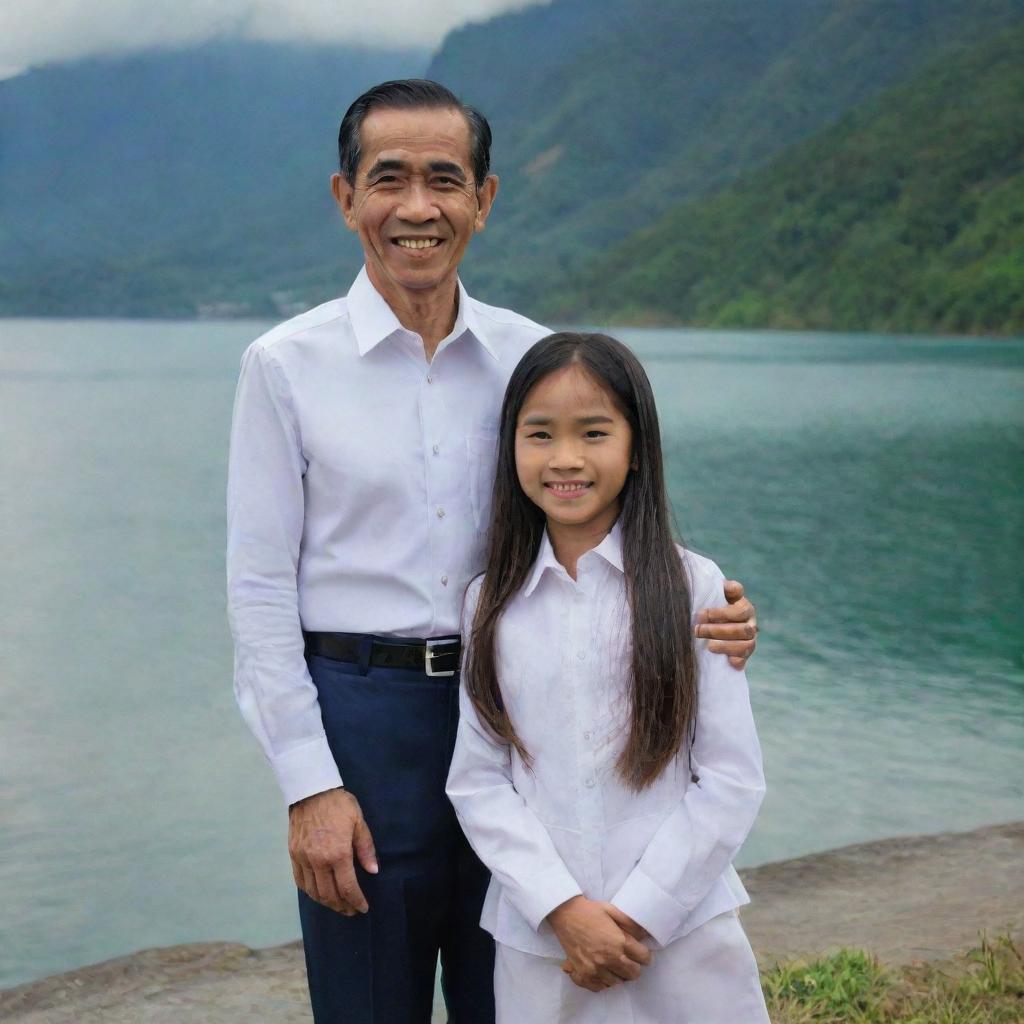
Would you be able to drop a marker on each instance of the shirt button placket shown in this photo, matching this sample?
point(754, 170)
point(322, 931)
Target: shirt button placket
point(436, 474)
point(592, 803)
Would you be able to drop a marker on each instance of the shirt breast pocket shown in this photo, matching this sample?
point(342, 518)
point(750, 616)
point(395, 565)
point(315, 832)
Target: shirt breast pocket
point(482, 450)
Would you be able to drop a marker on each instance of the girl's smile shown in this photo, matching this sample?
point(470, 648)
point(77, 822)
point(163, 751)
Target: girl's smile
point(570, 489)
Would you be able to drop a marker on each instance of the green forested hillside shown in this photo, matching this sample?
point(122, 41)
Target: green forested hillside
point(626, 107)
point(907, 215)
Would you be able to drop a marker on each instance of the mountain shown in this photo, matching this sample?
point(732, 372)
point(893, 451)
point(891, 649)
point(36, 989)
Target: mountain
point(173, 182)
point(907, 215)
point(194, 181)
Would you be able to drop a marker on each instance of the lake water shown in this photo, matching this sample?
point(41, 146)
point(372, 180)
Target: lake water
point(866, 489)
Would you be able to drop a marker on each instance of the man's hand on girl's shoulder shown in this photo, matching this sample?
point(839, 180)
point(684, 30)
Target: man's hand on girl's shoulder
point(599, 952)
point(732, 630)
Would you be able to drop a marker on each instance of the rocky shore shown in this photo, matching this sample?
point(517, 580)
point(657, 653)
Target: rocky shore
point(919, 898)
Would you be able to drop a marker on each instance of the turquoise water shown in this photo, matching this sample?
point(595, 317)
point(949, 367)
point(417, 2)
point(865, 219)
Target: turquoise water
point(867, 490)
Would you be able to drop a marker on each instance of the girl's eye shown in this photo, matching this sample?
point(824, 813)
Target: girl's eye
point(595, 433)
point(541, 435)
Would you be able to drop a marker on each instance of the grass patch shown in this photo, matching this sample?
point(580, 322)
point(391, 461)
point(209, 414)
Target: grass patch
point(983, 986)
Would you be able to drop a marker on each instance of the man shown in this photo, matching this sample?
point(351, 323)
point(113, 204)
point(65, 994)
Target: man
point(362, 455)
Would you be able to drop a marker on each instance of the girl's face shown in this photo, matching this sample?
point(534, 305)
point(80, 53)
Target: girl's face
point(573, 450)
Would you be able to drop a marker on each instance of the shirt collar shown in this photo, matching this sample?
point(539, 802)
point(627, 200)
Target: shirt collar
point(373, 320)
point(610, 550)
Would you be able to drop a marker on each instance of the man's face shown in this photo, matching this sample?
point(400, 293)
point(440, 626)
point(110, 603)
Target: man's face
point(414, 204)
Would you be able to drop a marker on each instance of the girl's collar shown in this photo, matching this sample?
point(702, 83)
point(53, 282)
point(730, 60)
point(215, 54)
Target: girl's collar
point(610, 549)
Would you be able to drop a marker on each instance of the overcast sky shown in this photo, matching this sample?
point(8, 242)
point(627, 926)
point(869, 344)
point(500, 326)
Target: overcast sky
point(58, 30)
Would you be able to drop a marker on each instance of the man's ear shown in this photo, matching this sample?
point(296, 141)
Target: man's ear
point(344, 195)
point(485, 200)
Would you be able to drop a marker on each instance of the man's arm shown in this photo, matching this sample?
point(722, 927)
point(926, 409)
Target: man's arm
point(732, 628)
point(272, 684)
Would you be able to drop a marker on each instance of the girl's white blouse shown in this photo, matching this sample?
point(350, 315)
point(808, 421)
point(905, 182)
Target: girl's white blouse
point(571, 826)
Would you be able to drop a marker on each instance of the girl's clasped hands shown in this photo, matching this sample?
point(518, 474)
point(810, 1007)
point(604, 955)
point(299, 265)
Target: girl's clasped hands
point(603, 945)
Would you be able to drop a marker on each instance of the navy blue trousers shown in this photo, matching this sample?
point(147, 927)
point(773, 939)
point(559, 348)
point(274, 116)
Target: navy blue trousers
point(392, 732)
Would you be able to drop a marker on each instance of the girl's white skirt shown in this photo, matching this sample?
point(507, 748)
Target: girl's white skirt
point(707, 977)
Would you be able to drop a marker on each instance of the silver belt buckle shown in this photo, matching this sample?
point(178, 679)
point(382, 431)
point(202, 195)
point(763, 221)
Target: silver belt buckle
point(429, 653)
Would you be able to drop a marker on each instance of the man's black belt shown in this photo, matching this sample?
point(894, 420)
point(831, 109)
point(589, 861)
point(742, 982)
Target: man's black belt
point(438, 656)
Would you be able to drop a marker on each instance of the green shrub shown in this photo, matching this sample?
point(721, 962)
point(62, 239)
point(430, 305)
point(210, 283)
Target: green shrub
point(984, 986)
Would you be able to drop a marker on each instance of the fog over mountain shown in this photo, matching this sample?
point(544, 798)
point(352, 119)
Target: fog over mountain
point(62, 30)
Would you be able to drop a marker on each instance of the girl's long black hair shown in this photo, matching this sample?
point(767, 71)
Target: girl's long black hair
point(663, 664)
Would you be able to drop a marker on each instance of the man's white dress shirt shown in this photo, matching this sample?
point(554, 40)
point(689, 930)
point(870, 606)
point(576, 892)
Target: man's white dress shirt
point(359, 486)
point(570, 826)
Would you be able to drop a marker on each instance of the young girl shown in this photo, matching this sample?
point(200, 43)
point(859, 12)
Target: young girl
point(606, 768)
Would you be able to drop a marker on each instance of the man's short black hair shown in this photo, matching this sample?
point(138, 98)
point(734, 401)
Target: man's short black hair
point(412, 94)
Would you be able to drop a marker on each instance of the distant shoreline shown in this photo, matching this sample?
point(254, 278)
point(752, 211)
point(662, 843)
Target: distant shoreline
point(269, 318)
point(905, 899)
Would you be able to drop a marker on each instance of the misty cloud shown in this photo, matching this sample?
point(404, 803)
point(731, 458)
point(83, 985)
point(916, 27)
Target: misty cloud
point(61, 30)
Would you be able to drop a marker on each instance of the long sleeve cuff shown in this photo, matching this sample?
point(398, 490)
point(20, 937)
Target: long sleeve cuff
point(306, 769)
point(650, 906)
point(545, 892)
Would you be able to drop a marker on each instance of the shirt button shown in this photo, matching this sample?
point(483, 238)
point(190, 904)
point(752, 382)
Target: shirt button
point(440, 512)
point(582, 655)
point(430, 379)
point(586, 735)
point(589, 783)
point(444, 581)
point(436, 449)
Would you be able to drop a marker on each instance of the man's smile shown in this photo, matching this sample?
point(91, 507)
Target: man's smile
point(417, 243)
